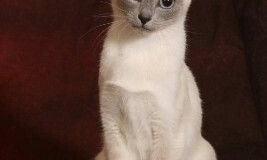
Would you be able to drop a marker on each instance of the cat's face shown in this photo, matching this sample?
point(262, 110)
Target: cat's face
point(150, 15)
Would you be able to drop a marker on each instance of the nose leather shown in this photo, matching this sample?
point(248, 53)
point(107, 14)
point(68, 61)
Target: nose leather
point(144, 19)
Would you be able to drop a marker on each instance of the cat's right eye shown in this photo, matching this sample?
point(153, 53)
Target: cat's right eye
point(166, 4)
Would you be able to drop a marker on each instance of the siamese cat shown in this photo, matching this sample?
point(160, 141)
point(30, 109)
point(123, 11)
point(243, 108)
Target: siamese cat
point(149, 102)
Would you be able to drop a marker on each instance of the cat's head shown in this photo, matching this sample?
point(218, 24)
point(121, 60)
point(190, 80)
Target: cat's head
point(150, 15)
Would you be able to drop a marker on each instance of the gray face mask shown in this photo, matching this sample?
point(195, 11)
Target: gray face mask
point(149, 15)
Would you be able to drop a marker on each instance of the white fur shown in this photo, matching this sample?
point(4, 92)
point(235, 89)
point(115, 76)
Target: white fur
point(150, 105)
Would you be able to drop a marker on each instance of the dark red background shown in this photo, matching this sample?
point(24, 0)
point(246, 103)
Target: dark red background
point(48, 77)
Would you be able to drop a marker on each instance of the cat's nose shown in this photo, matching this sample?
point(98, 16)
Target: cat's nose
point(144, 19)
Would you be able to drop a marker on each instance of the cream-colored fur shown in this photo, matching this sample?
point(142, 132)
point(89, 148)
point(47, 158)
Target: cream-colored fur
point(149, 101)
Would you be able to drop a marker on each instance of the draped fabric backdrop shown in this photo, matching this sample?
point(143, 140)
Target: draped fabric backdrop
point(49, 56)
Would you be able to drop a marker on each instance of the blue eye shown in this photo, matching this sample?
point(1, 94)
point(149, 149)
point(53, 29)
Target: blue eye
point(166, 3)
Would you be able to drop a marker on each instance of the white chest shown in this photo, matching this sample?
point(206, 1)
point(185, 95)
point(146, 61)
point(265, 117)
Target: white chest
point(142, 65)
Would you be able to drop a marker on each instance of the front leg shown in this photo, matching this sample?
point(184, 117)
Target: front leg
point(162, 140)
point(115, 146)
point(165, 124)
point(168, 137)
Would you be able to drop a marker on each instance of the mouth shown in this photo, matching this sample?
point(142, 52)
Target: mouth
point(142, 28)
point(146, 28)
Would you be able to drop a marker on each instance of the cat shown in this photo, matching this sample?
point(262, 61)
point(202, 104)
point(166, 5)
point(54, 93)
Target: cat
point(149, 102)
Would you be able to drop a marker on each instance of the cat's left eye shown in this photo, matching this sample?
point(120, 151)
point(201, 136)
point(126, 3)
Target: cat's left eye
point(166, 4)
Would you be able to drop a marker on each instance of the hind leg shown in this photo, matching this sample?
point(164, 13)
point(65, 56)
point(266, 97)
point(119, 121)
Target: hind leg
point(204, 151)
point(100, 156)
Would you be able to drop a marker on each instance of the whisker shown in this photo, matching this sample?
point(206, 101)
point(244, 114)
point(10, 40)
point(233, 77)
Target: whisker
point(90, 30)
point(123, 28)
point(101, 33)
point(94, 28)
point(111, 15)
point(118, 17)
point(104, 15)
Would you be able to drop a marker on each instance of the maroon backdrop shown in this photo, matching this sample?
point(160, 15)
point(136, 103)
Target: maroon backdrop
point(49, 54)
